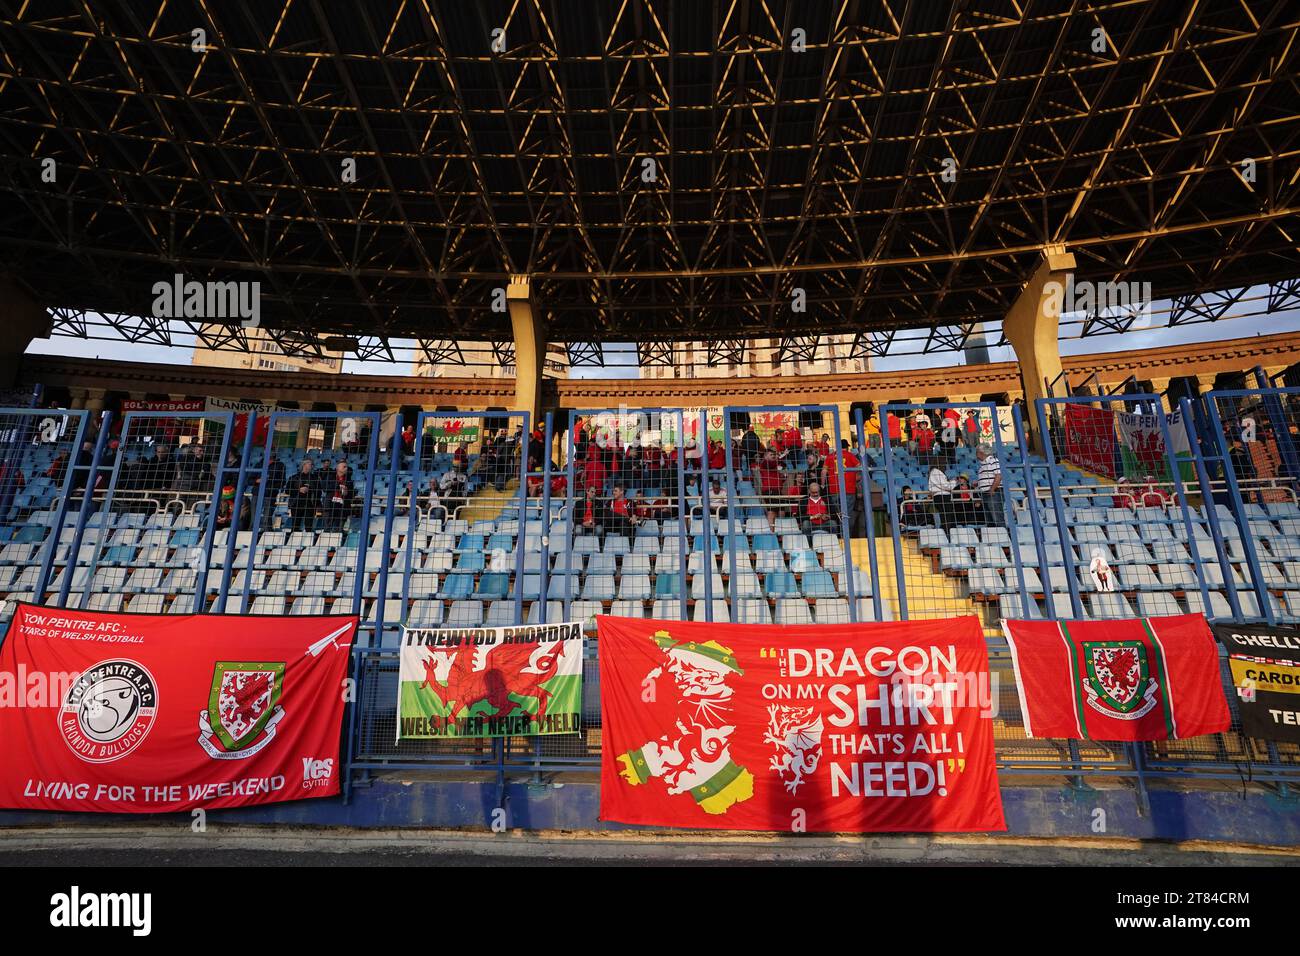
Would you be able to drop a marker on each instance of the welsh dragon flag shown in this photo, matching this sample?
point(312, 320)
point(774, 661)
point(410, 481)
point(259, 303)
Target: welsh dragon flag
point(1155, 678)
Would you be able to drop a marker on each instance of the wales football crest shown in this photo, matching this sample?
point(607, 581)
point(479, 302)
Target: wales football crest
point(243, 708)
point(1118, 682)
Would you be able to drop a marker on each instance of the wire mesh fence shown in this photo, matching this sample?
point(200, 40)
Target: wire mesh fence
point(784, 515)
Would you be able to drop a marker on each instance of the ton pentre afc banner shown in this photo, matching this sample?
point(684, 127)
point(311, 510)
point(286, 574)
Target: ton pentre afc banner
point(880, 727)
point(145, 713)
point(1265, 666)
point(490, 681)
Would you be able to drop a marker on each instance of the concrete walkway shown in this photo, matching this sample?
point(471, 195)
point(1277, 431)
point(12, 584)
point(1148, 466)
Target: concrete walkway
point(96, 845)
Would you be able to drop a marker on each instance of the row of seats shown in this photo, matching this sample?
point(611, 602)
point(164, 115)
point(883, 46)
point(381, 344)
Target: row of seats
point(1154, 604)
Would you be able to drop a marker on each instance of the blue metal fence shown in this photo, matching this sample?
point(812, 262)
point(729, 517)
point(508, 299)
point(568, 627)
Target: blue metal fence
point(407, 549)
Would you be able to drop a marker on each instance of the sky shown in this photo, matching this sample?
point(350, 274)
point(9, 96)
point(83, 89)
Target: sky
point(620, 358)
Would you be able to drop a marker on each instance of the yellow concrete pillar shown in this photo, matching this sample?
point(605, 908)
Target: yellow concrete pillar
point(1032, 326)
point(530, 346)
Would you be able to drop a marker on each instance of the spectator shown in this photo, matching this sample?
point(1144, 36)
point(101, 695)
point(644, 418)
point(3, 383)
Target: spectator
point(989, 484)
point(767, 479)
point(972, 429)
point(963, 502)
point(717, 456)
point(274, 478)
point(751, 447)
point(941, 489)
point(852, 465)
point(622, 515)
point(1153, 497)
point(591, 513)
point(814, 511)
point(1124, 497)
point(338, 497)
point(895, 429)
point(923, 436)
point(304, 497)
point(911, 514)
point(593, 471)
point(452, 486)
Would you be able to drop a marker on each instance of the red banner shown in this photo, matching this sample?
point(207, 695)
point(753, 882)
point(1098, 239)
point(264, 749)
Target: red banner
point(852, 727)
point(1090, 438)
point(144, 713)
point(1151, 679)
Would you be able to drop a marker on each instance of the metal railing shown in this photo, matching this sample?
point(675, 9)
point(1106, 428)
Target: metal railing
point(715, 546)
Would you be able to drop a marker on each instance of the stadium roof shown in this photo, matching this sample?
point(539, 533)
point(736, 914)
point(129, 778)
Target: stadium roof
point(665, 170)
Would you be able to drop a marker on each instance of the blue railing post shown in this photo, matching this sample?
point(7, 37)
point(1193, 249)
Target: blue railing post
point(232, 533)
point(846, 525)
point(363, 534)
point(255, 531)
point(1181, 491)
point(706, 518)
point(733, 511)
point(1035, 521)
point(390, 502)
point(1031, 503)
point(1243, 524)
point(684, 517)
point(61, 514)
point(1212, 515)
point(571, 515)
point(544, 577)
point(210, 522)
point(87, 499)
point(1058, 506)
point(869, 513)
point(894, 514)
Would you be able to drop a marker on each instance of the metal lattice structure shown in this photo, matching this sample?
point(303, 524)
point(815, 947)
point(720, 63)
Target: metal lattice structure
point(665, 171)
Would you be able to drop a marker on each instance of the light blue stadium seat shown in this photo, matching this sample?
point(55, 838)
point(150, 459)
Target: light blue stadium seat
point(600, 587)
point(465, 614)
point(721, 611)
point(753, 611)
point(492, 587)
point(632, 588)
point(562, 587)
point(667, 585)
point(625, 609)
point(470, 561)
point(667, 610)
point(645, 543)
point(581, 611)
point(819, 584)
point(985, 581)
point(954, 559)
point(1157, 604)
point(1109, 605)
point(425, 613)
point(715, 582)
point(781, 584)
point(793, 611)
point(616, 544)
point(1010, 608)
point(457, 585)
point(500, 614)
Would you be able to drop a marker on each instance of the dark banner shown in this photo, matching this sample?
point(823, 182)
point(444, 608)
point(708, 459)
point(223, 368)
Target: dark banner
point(1265, 666)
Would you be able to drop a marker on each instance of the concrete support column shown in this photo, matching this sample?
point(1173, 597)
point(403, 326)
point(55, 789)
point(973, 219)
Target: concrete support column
point(95, 401)
point(1032, 326)
point(530, 346)
point(22, 319)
